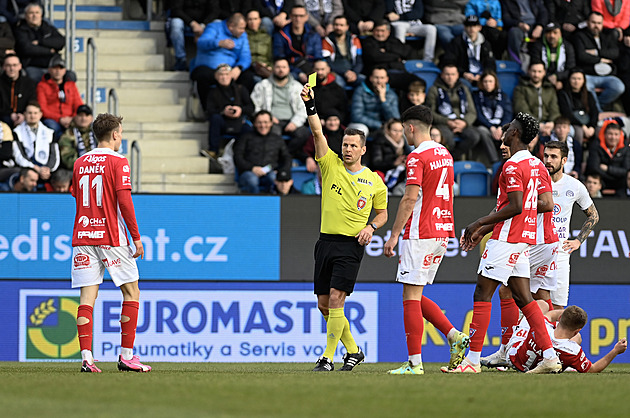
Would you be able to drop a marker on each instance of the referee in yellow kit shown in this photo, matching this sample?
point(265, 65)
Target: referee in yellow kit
point(349, 191)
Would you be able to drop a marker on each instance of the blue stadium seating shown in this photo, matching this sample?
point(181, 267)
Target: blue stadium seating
point(509, 73)
point(472, 177)
point(301, 176)
point(426, 70)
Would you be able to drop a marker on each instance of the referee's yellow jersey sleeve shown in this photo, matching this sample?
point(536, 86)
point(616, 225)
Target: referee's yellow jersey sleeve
point(348, 198)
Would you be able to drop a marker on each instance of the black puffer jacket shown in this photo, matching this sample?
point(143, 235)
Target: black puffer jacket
point(253, 149)
point(47, 37)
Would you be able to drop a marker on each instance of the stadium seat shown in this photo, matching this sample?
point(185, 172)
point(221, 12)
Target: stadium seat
point(461, 166)
point(426, 70)
point(301, 176)
point(474, 183)
point(509, 73)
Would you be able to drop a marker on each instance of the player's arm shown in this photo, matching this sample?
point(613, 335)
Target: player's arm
point(554, 315)
point(513, 208)
point(603, 362)
point(321, 144)
point(129, 215)
point(477, 236)
point(365, 235)
point(405, 208)
point(545, 202)
point(592, 217)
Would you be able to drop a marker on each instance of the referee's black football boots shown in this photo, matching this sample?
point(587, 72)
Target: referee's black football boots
point(324, 365)
point(351, 360)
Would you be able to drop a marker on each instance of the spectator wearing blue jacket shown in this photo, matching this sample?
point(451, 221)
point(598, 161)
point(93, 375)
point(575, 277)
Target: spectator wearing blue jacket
point(299, 43)
point(373, 103)
point(494, 110)
point(222, 42)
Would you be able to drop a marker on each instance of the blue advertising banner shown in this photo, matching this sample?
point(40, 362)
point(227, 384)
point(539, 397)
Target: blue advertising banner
point(258, 322)
point(186, 238)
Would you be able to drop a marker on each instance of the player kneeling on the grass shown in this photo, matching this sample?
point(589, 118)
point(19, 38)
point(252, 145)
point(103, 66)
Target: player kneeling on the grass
point(563, 327)
point(426, 213)
point(101, 185)
point(349, 191)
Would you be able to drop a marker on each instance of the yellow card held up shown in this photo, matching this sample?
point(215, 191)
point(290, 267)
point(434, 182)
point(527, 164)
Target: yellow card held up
point(312, 80)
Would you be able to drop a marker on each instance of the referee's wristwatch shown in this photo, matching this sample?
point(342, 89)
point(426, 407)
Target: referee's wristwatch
point(373, 225)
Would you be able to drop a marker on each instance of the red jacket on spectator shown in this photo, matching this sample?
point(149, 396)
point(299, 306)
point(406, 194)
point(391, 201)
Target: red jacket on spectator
point(48, 98)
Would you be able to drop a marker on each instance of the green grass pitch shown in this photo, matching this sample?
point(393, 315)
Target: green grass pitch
point(290, 389)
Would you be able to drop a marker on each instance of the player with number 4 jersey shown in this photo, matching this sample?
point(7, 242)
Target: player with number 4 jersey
point(102, 188)
point(426, 213)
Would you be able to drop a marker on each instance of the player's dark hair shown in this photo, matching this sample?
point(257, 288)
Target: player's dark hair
point(359, 132)
point(419, 113)
point(561, 145)
point(573, 318)
point(104, 125)
point(529, 127)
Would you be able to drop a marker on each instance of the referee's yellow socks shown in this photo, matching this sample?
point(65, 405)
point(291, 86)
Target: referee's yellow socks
point(338, 328)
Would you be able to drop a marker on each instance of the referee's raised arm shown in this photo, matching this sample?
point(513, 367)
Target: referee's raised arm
point(321, 144)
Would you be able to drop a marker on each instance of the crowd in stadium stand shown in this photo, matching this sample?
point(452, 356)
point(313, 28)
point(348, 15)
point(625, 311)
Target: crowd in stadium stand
point(475, 63)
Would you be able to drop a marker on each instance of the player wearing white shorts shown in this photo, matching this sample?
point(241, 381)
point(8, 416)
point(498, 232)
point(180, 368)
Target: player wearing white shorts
point(563, 327)
point(101, 185)
point(426, 213)
point(506, 257)
point(566, 191)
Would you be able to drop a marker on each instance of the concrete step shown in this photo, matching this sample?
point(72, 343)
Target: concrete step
point(169, 148)
point(110, 3)
point(91, 13)
point(121, 33)
point(189, 189)
point(114, 25)
point(121, 46)
point(187, 165)
point(158, 113)
point(120, 62)
point(166, 130)
point(147, 96)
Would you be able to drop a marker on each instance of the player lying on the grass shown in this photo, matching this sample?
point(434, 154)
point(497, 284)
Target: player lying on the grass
point(563, 327)
point(426, 214)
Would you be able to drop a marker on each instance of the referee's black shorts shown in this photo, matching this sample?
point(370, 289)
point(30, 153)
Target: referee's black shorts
point(337, 262)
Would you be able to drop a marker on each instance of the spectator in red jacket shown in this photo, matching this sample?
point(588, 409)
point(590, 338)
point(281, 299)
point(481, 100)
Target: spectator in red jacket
point(58, 96)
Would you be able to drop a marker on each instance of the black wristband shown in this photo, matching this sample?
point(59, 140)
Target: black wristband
point(310, 108)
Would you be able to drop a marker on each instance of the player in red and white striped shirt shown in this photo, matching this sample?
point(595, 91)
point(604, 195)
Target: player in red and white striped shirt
point(563, 327)
point(506, 257)
point(426, 213)
point(101, 183)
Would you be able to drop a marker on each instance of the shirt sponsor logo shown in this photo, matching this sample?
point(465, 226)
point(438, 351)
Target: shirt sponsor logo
point(125, 169)
point(84, 221)
point(126, 180)
point(534, 162)
point(96, 159)
point(542, 270)
point(412, 161)
point(364, 181)
point(513, 258)
point(361, 202)
point(81, 260)
point(439, 213)
point(427, 260)
point(529, 220)
point(443, 226)
point(510, 169)
point(440, 151)
point(410, 172)
point(529, 234)
point(556, 209)
point(91, 234)
point(112, 263)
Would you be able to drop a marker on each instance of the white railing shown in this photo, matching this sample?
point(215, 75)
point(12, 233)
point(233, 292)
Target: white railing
point(90, 79)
